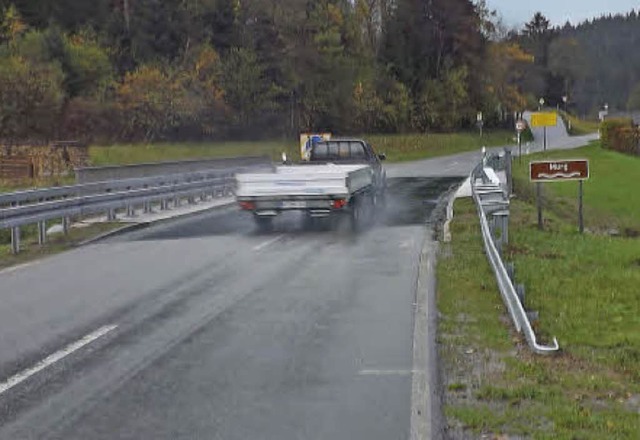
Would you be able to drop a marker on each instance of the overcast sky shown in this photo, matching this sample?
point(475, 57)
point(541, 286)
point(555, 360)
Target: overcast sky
point(517, 12)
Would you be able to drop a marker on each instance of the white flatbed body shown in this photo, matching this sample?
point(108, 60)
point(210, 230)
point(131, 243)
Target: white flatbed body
point(305, 181)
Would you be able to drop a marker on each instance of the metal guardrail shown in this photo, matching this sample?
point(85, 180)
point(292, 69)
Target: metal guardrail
point(41, 205)
point(45, 194)
point(492, 199)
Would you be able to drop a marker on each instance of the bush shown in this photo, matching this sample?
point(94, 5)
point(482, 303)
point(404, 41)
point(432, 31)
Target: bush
point(608, 130)
point(90, 121)
point(31, 99)
point(527, 135)
point(620, 135)
point(626, 140)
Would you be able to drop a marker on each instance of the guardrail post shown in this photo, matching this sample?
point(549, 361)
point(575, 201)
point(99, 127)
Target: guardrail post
point(500, 220)
point(66, 222)
point(131, 211)
point(508, 171)
point(15, 240)
point(176, 202)
point(492, 227)
point(520, 290)
point(147, 207)
point(42, 232)
point(111, 215)
point(511, 271)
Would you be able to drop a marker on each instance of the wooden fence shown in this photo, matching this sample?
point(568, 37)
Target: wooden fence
point(16, 168)
point(19, 162)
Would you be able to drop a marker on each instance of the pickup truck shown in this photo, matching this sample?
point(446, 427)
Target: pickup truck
point(343, 178)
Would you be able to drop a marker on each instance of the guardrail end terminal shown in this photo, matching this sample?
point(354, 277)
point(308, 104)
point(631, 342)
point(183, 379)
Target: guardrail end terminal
point(513, 295)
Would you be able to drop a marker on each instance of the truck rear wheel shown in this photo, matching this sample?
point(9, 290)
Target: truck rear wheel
point(358, 213)
point(264, 224)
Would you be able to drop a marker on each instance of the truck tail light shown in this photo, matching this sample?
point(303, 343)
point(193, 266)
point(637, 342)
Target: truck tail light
point(339, 203)
point(248, 206)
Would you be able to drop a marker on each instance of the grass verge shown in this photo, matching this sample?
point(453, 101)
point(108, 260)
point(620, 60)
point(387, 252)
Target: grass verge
point(30, 250)
point(579, 127)
point(610, 203)
point(10, 186)
point(140, 153)
point(584, 290)
point(398, 147)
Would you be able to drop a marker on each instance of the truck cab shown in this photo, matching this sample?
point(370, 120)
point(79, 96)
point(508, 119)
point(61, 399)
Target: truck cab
point(351, 151)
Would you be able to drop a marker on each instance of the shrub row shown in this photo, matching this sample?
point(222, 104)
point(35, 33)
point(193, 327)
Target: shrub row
point(620, 135)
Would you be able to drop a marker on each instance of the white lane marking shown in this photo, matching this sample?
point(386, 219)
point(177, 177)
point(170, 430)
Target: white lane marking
point(389, 372)
point(55, 357)
point(268, 243)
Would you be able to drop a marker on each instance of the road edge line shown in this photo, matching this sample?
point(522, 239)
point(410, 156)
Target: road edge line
point(426, 396)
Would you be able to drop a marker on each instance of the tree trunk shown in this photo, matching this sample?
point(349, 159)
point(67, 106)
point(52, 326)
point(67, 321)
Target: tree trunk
point(127, 17)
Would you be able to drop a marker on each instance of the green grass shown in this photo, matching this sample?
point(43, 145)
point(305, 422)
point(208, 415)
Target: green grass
point(139, 153)
point(586, 292)
point(588, 295)
point(400, 148)
point(48, 182)
point(397, 147)
point(579, 127)
point(609, 195)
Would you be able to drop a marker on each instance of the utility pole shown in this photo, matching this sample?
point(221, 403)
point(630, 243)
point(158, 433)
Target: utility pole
point(127, 17)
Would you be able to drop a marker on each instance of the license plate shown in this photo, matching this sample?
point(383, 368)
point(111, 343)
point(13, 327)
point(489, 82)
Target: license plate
point(294, 204)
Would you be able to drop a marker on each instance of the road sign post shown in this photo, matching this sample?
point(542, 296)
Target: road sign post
point(580, 210)
point(539, 205)
point(559, 171)
point(521, 125)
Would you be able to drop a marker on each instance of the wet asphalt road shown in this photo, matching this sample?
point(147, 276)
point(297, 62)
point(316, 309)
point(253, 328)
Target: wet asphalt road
point(220, 332)
point(202, 328)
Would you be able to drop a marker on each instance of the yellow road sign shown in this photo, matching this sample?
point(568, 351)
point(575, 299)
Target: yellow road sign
point(548, 119)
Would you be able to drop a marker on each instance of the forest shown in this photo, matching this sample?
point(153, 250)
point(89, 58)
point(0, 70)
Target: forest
point(147, 70)
point(592, 64)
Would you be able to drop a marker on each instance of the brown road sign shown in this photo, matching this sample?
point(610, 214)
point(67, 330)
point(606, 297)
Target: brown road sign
point(559, 170)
